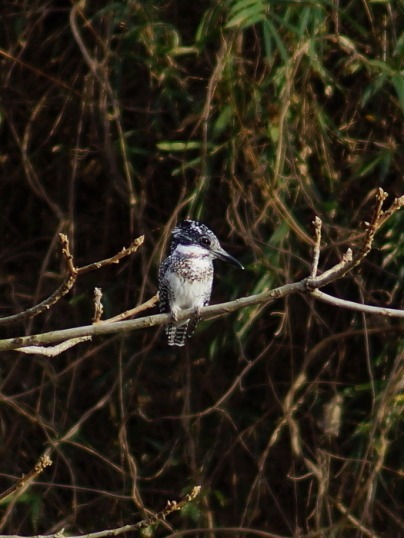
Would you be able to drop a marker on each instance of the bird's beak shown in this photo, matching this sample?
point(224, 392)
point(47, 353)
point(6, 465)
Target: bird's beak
point(226, 257)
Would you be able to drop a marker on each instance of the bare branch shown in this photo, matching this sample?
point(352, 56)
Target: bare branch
point(336, 272)
point(63, 289)
point(67, 254)
point(358, 307)
point(171, 506)
point(53, 351)
point(70, 278)
point(136, 243)
point(378, 219)
point(98, 307)
point(354, 521)
point(134, 311)
point(374, 224)
point(207, 312)
point(308, 285)
point(104, 328)
point(316, 257)
point(43, 462)
point(233, 531)
point(397, 204)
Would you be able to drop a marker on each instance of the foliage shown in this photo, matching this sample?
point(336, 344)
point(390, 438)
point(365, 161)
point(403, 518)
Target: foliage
point(117, 119)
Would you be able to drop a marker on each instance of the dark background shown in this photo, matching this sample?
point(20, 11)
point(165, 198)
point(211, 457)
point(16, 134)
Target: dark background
point(121, 118)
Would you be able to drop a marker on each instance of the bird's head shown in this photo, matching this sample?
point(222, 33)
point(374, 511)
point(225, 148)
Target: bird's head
point(190, 233)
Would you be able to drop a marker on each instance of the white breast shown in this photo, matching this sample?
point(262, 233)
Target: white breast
point(188, 294)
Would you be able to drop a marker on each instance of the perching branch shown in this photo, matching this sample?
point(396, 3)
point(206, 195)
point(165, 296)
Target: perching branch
point(206, 312)
point(309, 285)
point(53, 351)
point(171, 506)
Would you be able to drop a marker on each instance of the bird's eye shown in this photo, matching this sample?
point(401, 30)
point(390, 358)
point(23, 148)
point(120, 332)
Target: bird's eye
point(205, 241)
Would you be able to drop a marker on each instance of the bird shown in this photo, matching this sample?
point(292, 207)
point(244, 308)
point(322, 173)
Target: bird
point(186, 276)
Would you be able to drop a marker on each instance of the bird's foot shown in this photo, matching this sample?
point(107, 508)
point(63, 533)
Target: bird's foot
point(193, 322)
point(174, 313)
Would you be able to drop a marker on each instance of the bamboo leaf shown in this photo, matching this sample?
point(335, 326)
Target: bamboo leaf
point(179, 146)
point(398, 83)
point(245, 13)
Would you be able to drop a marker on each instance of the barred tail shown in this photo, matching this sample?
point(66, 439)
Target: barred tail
point(177, 334)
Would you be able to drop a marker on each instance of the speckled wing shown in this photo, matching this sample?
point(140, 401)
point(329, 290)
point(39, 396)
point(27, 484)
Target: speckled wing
point(176, 334)
point(164, 289)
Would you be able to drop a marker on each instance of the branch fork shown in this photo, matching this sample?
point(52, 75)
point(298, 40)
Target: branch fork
point(308, 285)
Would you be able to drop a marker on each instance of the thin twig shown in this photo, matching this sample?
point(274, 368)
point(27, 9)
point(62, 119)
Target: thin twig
point(98, 307)
point(207, 312)
point(307, 285)
point(136, 243)
point(373, 225)
point(316, 256)
point(358, 307)
point(159, 517)
point(354, 521)
point(379, 217)
point(70, 279)
point(233, 531)
point(102, 77)
point(133, 311)
point(104, 328)
point(63, 289)
point(337, 271)
point(44, 461)
point(53, 351)
point(64, 240)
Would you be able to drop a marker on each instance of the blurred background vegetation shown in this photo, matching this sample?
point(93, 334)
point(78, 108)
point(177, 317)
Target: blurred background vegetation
point(117, 119)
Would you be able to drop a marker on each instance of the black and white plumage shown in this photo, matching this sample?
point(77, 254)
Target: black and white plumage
point(186, 276)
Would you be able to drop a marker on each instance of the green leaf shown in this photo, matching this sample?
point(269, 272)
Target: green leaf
point(373, 88)
point(382, 160)
point(223, 120)
point(179, 146)
point(182, 51)
point(275, 34)
point(399, 48)
point(398, 83)
point(193, 163)
point(245, 13)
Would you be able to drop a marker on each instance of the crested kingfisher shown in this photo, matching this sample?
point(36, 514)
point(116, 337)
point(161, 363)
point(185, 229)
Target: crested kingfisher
point(186, 275)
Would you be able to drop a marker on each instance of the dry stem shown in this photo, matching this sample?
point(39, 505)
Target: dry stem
point(70, 278)
point(43, 462)
point(159, 517)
